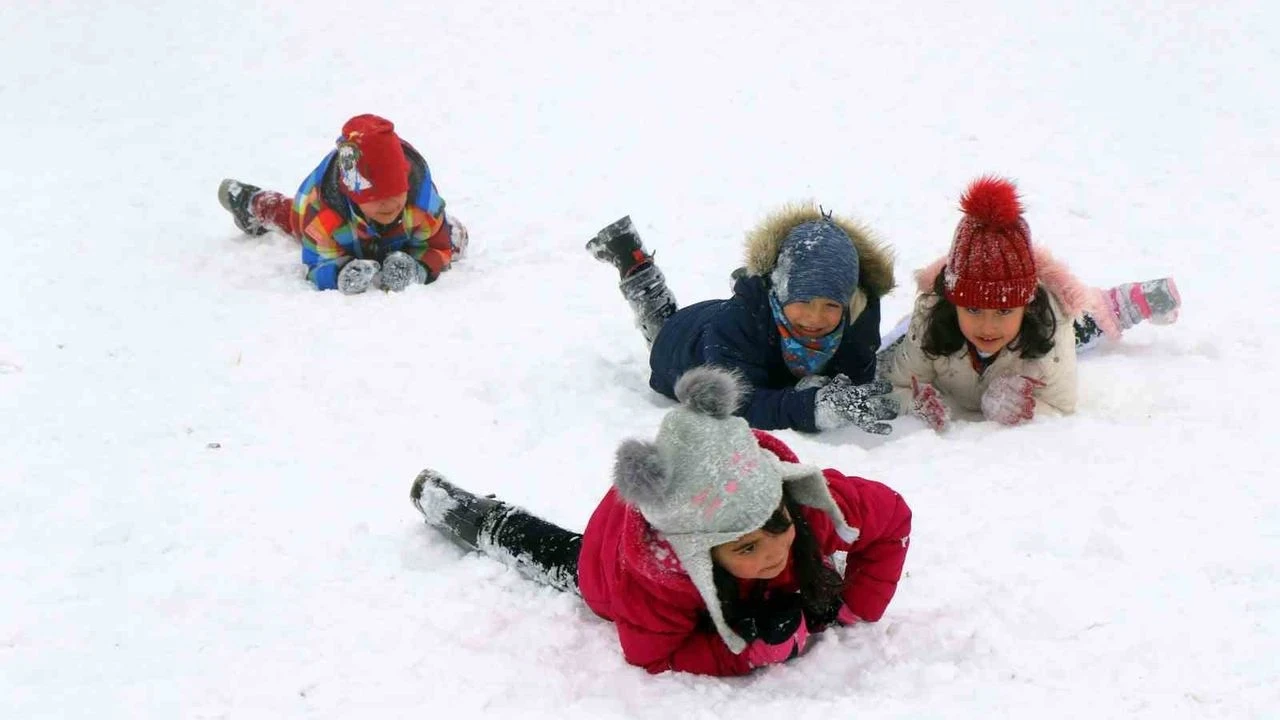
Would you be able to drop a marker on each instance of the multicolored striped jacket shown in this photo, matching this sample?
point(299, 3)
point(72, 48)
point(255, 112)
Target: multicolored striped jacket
point(333, 232)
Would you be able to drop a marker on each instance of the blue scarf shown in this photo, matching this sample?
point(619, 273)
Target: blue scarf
point(804, 355)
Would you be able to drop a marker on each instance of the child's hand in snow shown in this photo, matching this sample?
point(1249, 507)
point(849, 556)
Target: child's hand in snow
point(1010, 399)
point(927, 404)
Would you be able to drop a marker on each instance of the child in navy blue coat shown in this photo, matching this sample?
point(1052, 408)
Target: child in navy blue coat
point(802, 328)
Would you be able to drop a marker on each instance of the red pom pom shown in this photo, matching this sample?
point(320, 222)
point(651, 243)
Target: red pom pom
point(992, 201)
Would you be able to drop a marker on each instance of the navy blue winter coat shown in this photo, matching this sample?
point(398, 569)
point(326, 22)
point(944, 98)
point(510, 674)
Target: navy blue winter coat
point(740, 332)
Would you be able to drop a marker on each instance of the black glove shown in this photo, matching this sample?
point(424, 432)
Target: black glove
point(840, 403)
point(774, 621)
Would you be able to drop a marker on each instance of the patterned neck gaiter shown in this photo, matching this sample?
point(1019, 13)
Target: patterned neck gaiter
point(804, 356)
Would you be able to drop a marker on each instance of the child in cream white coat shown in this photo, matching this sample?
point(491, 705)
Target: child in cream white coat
point(997, 323)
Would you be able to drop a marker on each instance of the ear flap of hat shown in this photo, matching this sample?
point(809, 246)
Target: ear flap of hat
point(808, 486)
point(694, 554)
point(639, 475)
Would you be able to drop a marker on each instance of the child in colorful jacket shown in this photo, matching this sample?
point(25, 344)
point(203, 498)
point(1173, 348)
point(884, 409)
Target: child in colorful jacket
point(368, 216)
point(802, 327)
point(997, 323)
point(711, 554)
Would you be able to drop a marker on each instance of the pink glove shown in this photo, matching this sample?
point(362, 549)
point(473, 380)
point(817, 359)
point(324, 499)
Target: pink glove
point(760, 653)
point(1010, 399)
point(927, 404)
point(846, 616)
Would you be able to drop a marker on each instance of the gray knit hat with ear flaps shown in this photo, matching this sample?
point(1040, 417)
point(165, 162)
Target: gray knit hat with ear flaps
point(704, 480)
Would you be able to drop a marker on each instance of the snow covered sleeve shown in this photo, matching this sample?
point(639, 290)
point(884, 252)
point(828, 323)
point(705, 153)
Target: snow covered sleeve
point(875, 559)
point(908, 360)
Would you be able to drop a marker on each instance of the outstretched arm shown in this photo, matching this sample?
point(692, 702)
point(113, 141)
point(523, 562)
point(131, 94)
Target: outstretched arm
point(876, 557)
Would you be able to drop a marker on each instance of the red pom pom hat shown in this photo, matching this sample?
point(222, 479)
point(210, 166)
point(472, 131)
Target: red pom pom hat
point(990, 264)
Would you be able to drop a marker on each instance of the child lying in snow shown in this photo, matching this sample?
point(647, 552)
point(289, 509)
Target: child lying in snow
point(802, 327)
point(367, 216)
point(711, 553)
point(992, 327)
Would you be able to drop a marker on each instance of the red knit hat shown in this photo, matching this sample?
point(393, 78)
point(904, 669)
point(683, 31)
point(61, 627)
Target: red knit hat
point(990, 263)
point(371, 162)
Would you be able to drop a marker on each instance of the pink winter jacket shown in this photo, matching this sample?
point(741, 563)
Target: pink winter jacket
point(627, 574)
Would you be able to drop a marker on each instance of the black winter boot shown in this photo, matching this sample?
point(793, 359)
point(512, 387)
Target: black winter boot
point(619, 244)
point(235, 197)
point(460, 515)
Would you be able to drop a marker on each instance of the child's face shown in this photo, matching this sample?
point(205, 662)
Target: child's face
point(988, 329)
point(386, 210)
point(756, 555)
point(813, 318)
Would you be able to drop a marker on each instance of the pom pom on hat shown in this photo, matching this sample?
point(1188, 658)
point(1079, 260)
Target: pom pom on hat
point(638, 473)
point(990, 264)
point(710, 391)
point(992, 202)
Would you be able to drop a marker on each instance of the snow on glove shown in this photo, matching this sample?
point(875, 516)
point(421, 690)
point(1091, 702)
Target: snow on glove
point(840, 403)
point(356, 276)
point(775, 634)
point(1010, 399)
point(927, 404)
point(399, 271)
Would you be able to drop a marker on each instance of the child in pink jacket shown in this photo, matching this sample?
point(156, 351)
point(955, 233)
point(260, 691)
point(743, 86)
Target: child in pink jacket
point(712, 552)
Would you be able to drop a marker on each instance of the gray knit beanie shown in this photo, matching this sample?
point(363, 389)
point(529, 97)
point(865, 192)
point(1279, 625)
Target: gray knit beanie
point(817, 260)
point(705, 480)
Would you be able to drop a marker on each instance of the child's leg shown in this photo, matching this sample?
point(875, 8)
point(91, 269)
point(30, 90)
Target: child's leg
point(650, 299)
point(642, 283)
point(1154, 300)
point(543, 551)
point(1088, 333)
point(274, 211)
point(257, 211)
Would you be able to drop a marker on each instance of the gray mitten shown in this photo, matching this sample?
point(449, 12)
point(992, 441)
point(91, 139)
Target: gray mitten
point(356, 276)
point(840, 403)
point(399, 271)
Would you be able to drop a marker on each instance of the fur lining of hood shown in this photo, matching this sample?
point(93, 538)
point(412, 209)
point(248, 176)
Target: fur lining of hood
point(1073, 296)
point(875, 259)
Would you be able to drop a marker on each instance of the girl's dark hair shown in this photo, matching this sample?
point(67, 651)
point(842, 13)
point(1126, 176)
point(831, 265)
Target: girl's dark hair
point(942, 334)
point(820, 585)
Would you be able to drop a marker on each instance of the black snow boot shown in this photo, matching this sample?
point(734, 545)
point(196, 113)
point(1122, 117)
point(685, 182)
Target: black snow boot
point(460, 515)
point(619, 245)
point(235, 197)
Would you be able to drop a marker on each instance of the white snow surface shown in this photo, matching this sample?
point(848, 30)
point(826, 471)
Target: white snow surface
point(205, 464)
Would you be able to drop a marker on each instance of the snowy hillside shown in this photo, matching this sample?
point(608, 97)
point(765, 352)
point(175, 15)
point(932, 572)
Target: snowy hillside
point(204, 464)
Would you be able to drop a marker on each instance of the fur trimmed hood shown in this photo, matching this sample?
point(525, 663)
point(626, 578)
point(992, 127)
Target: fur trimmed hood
point(875, 259)
point(1073, 296)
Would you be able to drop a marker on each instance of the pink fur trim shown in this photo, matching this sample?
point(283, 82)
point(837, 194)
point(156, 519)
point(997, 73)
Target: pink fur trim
point(1072, 295)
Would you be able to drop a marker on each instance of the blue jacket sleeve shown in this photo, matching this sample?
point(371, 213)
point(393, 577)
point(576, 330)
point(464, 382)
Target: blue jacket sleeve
point(323, 274)
point(730, 344)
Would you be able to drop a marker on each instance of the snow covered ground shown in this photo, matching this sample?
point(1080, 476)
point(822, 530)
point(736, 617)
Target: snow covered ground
point(204, 464)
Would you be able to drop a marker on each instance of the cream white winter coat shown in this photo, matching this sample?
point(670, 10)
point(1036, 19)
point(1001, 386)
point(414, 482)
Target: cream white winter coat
point(961, 386)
